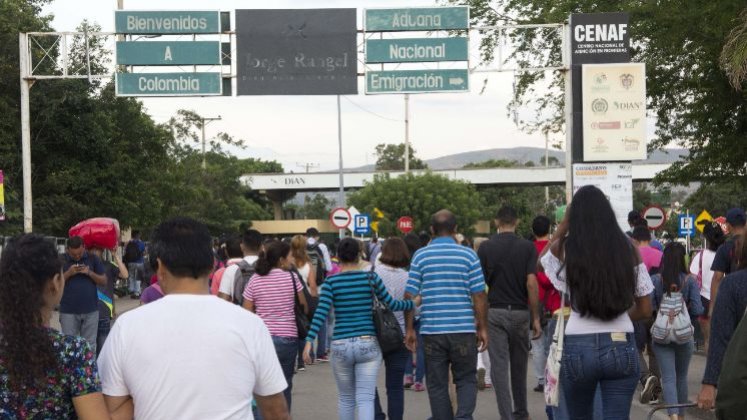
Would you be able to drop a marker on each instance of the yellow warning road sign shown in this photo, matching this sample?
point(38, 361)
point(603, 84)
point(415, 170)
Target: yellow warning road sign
point(703, 217)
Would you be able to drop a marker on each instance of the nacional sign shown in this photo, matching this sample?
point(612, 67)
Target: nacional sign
point(614, 112)
point(296, 52)
point(417, 81)
point(168, 84)
point(417, 19)
point(416, 50)
point(168, 53)
point(148, 22)
point(614, 179)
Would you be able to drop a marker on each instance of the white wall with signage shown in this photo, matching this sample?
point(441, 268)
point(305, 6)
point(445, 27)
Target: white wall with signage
point(614, 179)
point(614, 112)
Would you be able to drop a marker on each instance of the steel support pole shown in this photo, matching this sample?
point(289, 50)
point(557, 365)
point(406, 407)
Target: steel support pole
point(341, 197)
point(204, 163)
point(566, 47)
point(407, 132)
point(28, 224)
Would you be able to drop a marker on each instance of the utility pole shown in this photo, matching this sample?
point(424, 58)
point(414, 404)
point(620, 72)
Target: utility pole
point(203, 122)
point(307, 166)
point(407, 133)
point(341, 196)
point(547, 165)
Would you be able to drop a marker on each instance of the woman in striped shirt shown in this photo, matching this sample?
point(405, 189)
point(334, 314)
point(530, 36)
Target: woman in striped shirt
point(271, 294)
point(356, 356)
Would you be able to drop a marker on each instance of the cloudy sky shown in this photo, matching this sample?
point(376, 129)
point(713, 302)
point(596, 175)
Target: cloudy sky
point(303, 129)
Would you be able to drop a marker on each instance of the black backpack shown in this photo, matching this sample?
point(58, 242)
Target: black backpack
point(132, 253)
point(243, 275)
point(317, 260)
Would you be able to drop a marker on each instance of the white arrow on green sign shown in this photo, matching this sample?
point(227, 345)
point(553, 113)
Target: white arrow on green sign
point(168, 84)
point(417, 19)
point(417, 81)
point(416, 50)
point(166, 22)
point(168, 53)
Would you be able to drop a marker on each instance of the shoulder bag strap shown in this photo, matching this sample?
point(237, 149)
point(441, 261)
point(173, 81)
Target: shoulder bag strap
point(293, 287)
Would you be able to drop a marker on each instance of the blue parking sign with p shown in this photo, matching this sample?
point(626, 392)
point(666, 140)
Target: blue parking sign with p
point(687, 225)
point(362, 224)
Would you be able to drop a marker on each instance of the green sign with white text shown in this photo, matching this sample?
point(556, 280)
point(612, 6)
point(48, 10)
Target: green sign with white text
point(416, 50)
point(417, 19)
point(417, 81)
point(168, 53)
point(166, 22)
point(168, 84)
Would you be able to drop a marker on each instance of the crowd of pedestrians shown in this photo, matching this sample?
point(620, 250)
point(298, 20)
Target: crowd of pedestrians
point(224, 326)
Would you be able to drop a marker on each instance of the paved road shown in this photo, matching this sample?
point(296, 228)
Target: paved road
point(315, 392)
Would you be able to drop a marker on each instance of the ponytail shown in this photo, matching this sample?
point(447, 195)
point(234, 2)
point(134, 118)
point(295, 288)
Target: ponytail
point(270, 257)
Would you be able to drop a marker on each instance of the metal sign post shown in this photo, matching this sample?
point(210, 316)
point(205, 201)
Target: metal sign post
point(26, 83)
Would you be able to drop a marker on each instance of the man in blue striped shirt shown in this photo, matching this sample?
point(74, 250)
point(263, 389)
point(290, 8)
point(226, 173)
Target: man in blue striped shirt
point(448, 278)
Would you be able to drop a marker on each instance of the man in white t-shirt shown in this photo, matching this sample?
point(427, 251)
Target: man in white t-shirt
point(190, 355)
point(251, 244)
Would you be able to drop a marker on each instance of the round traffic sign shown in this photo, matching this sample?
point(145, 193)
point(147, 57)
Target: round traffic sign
point(340, 217)
point(654, 216)
point(405, 224)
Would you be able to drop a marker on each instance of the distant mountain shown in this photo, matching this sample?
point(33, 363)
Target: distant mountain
point(523, 155)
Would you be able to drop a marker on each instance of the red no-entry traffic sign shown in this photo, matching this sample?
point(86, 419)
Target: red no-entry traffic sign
point(340, 217)
point(654, 216)
point(405, 224)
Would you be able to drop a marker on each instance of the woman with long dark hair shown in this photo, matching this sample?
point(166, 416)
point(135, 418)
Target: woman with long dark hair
point(356, 355)
point(42, 372)
point(414, 380)
point(701, 267)
point(673, 358)
point(271, 294)
point(594, 262)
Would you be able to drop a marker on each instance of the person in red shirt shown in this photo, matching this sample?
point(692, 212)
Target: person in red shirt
point(549, 298)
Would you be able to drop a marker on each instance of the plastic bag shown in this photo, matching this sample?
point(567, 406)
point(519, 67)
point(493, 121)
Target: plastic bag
point(99, 232)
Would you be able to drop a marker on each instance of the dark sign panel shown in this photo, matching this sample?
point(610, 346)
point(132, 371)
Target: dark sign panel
point(600, 38)
point(596, 38)
point(296, 52)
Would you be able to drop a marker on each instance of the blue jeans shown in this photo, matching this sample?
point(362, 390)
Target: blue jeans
point(285, 348)
point(419, 358)
point(395, 364)
point(105, 325)
point(607, 360)
point(321, 341)
point(355, 364)
point(458, 352)
point(674, 360)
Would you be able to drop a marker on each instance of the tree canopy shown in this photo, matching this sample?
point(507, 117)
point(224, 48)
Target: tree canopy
point(391, 157)
point(689, 93)
point(419, 196)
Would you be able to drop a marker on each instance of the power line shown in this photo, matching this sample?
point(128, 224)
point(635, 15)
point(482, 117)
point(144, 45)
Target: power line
point(371, 112)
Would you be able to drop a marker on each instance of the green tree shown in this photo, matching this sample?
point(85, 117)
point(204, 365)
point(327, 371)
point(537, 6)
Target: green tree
point(391, 157)
point(492, 163)
point(316, 207)
point(419, 196)
point(717, 198)
point(734, 54)
point(695, 106)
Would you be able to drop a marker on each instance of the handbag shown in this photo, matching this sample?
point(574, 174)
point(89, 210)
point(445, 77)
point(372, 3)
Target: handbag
point(388, 331)
point(552, 368)
point(302, 319)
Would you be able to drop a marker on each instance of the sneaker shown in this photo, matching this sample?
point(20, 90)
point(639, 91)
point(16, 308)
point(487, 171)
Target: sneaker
point(408, 381)
point(302, 369)
point(539, 388)
point(649, 388)
point(481, 379)
point(322, 359)
point(418, 387)
point(488, 386)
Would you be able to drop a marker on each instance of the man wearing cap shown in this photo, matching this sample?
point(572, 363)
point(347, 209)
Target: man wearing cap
point(725, 260)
